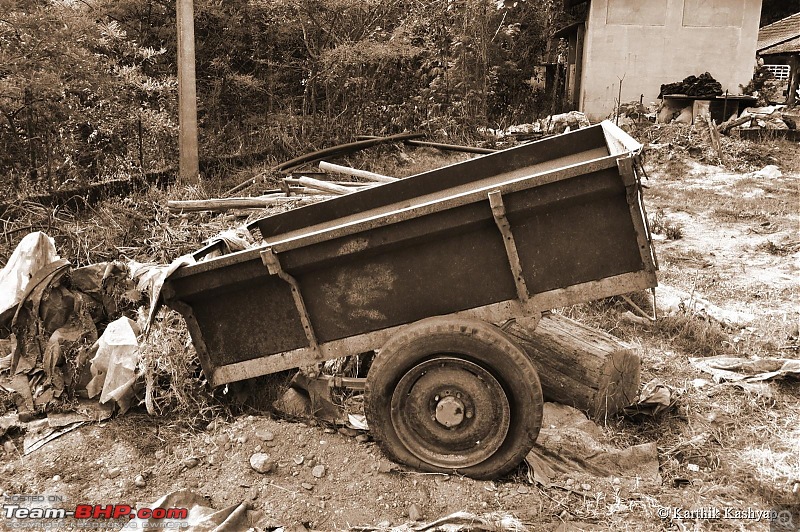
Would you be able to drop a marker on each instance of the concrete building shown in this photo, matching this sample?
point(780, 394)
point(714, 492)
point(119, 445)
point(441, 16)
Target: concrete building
point(642, 44)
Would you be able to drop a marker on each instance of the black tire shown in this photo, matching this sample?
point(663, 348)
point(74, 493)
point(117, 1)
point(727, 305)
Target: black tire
point(470, 347)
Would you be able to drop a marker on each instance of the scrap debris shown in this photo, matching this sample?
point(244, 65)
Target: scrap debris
point(772, 117)
point(56, 314)
point(570, 444)
point(550, 125)
point(673, 301)
point(751, 375)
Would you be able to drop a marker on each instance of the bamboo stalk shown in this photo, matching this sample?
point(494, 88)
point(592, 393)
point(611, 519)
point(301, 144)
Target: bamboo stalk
point(223, 204)
point(346, 170)
point(321, 185)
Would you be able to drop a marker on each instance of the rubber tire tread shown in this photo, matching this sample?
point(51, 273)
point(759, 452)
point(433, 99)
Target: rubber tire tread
point(474, 340)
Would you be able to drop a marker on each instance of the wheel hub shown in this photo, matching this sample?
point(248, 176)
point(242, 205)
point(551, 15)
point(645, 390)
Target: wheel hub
point(450, 412)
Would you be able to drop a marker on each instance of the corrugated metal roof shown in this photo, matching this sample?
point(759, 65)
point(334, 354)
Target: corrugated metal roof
point(779, 32)
point(792, 46)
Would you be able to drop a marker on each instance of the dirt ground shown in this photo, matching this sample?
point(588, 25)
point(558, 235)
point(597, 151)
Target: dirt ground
point(730, 236)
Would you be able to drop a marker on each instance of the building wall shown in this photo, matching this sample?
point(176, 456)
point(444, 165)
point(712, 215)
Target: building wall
point(653, 42)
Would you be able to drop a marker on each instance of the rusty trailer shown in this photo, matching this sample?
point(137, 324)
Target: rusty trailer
point(421, 270)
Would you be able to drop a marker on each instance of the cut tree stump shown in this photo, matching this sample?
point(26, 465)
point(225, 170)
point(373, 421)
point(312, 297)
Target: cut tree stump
point(580, 366)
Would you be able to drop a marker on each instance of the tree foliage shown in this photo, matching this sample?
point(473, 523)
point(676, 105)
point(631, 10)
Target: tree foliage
point(74, 92)
point(88, 90)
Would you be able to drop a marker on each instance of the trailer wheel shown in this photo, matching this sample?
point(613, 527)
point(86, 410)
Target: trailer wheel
point(454, 395)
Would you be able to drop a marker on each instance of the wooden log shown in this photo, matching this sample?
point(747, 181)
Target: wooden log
point(580, 366)
point(346, 170)
point(726, 127)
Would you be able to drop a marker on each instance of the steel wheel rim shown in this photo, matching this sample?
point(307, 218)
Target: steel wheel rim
point(450, 412)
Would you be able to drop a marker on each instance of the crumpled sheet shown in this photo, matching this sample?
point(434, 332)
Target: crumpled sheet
point(52, 326)
point(150, 278)
point(201, 518)
point(655, 398)
point(570, 443)
point(34, 252)
point(233, 240)
point(114, 364)
point(749, 374)
point(672, 301)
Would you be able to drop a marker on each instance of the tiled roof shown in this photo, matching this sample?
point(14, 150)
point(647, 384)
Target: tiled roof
point(792, 46)
point(778, 32)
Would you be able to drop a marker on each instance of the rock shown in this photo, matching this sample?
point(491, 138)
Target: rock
point(298, 459)
point(311, 463)
point(294, 404)
point(586, 487)
point(362, 438)
point(265, 435)
point(769, 172)
point(329, 430)
point(241, 439)
point(523, 489)
point(190, 462)
point(9, 447)
point(113, 472)
point(384, 467)
point(261, 463)
point(307, 486)
point(318, 471)
point(414, 513)
point(56, 478)
point(347, 431)
point(139, 481)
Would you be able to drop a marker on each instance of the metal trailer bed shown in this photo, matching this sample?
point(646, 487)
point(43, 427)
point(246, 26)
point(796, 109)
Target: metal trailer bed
point(419, 269)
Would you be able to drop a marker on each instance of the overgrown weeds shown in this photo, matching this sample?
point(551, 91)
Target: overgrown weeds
point(661, 225)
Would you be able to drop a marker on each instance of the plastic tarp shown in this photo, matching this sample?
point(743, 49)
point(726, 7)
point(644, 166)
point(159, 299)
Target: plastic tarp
point(33, 252)
point(200, 516)
point(114, 364)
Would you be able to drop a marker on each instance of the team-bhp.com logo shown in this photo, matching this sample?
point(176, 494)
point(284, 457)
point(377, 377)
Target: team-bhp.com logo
point(22, 510)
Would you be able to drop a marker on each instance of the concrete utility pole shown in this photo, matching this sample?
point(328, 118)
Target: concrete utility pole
point(187, 95)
